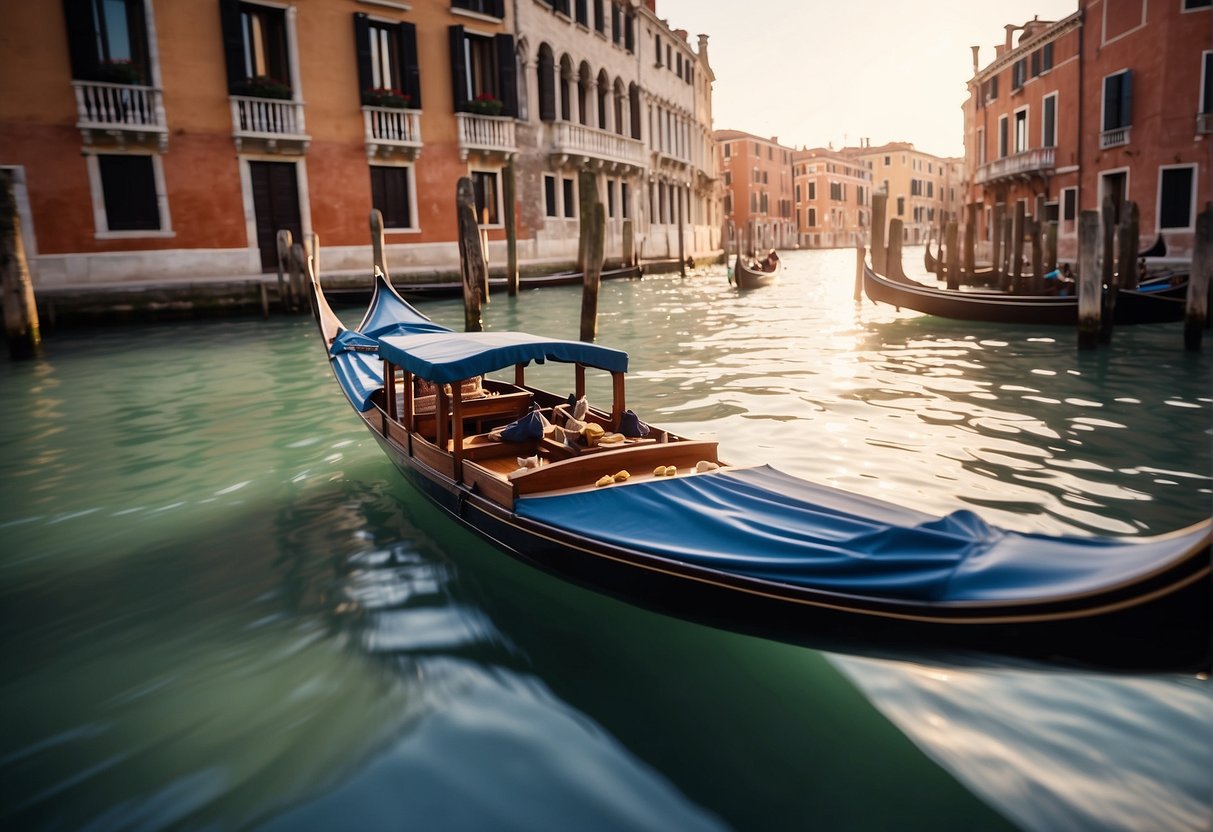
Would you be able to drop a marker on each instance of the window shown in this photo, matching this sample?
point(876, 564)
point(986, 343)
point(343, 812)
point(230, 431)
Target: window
point(728, 150)
point(263, 46)
point(1046, 58)
point(493, 8)
point(387, 58)
point(981, 145)
point(1002, 136)
point(1069, 209)
point(581, 12)
point(888, 160)
point(128, 189)
point(812, 190)
point(1048, 120)
point(1021, 130)
point(1018, 72)
point(483, 67)
point(728, 177)
point(1118, 100)
point(616, 24)
point(570, 198)
point(1176, 197)
point(1192, 5)
point(549, 195)
point(610, 198)
point(105, 33)
point(391, 194)
point(657, 42)
point(901, 206)
point(625, 200)
point(486, 185)
point(600, 18)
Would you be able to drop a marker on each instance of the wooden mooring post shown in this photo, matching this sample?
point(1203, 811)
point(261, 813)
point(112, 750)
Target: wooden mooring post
point(1107, 237)
point(1126, 255)
point(996, 243)
point(1196, 313)
point(1090, 294)
point(1008, 224)
point(284, 240)
point(970, 240)
point(21, 325)
point(1038, 274)
point(595, 224)
point(1018, 224)
point(860, 254)
point(378, 257)
point(951, 234)
point(471, 258)
point(893, 255)
point(508, 191)
point(880, 203)
point(1050, 246)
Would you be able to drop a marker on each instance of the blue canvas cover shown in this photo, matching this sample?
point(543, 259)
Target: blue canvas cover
point(763, 523)
point(445, 357)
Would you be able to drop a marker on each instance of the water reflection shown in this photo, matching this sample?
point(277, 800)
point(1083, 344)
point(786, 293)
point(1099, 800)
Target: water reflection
point(1071, 752)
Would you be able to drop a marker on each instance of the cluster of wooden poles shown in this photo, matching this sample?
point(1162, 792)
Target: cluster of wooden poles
point(1107, 257)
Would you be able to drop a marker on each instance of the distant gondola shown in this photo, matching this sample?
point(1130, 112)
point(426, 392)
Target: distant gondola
point(751, 274)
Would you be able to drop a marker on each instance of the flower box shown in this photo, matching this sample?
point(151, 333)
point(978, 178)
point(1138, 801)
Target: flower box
point(263, 86)
point(119, 71)
point(485, 104)
point(383, 97)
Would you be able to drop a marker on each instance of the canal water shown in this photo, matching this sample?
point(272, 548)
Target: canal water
point(222, 608)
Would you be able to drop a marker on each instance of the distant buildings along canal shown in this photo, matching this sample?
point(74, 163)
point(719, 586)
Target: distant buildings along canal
point(156, 140)
point(1116, 100)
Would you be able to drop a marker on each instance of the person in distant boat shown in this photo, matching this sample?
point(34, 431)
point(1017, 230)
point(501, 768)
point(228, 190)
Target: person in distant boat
point(770, 261)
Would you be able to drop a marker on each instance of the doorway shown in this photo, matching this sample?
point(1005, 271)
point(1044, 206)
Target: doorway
point(276, 205)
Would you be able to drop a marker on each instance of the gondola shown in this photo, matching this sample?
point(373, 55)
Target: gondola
point(660, 520)
point(748, 273)
point(981, 276)
point(1131, 306)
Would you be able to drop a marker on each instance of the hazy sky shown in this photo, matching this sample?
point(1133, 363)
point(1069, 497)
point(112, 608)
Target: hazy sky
point(813, 72)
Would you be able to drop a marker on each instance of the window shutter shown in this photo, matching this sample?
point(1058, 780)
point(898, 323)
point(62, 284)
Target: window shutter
point(362, 52)
point(1111, 100)
point(410, 72)
point(233, 43)
point(547, 85)
point(459, 70)
point(497, 8)
point(81, 39)
point(1126, 99)
point(507, 71)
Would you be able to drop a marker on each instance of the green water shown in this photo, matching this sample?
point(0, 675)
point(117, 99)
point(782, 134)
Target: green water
point(222, 609)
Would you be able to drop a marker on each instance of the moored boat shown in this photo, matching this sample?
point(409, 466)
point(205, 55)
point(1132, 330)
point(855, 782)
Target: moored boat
point(749, 273)
point(661, 520)
point(1131, 307)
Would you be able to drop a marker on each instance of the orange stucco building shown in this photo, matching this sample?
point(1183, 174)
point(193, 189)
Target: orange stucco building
point(833, 198)
point(1115, 100)
point(759, 204)
point(921, 187)
point(161, 140)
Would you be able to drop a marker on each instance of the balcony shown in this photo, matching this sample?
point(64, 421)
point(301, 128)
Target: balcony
point(578, 141)
point(670, 159)
point(122, 112)
point(391, 130)
point(272, 124)
point(1204, 123)
point(487, 135)
point(1113, 138)
point(1036, 162)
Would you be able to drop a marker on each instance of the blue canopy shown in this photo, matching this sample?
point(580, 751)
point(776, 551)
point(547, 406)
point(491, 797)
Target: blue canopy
point(444, 357)
point(762, 523)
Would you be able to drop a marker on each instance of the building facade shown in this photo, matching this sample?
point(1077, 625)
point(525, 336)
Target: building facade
point(917, 185)
point(833, 198)
point(759, 204)
point(156, 140)
point(1115, 100)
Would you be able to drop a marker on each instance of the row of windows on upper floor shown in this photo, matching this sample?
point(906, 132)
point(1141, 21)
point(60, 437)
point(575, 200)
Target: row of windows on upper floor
point(1038, 62)
point(830, 167)
point(623, 31)
point(784, 156)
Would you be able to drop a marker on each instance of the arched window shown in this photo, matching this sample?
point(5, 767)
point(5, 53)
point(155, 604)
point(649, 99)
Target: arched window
point(619, 97)
point(634, 98)
point(583, 93)
point(566, 82)
point(547, 83)
point(604, 94)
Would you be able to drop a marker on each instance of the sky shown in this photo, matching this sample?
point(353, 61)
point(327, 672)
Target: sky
point(811, 72)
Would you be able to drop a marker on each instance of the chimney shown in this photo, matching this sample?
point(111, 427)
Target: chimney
point(652, 4)
point(703, 50)
point(976, 64)
point(682, 34)
point(1010, 27)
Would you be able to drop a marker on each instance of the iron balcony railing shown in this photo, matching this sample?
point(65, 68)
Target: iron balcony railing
point(485, 134)
point(119, 107)
point(1038, 160)
point(581, 140)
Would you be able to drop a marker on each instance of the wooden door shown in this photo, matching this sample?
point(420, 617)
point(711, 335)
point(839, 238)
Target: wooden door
point(276, 204)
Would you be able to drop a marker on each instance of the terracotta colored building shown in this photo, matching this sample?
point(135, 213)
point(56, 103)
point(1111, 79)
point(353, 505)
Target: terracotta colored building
point(917, 184)
point(833, 198)
point(759, 199)
point(167, 140)
point(1115, 100)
